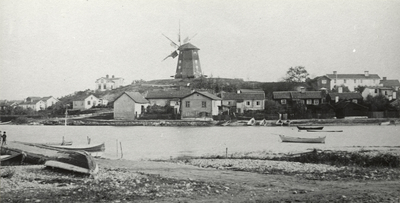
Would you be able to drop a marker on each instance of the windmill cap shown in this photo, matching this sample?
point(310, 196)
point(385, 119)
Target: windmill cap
point(187, 46)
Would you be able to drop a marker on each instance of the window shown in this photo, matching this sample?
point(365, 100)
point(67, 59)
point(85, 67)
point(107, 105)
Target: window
point(104, 86)
point(88, 102)
point(344, 80)
point(248, 103)
point(355, 101)
point(258, 103)
point(323, 81)
point(355, 81)
point(99, 87)
point(334, 80)
point(316, 101)
point(309, 101)
point(187, 103)
point(203, 104)
point(283, 101)
point(229, 103)
point(376, 90)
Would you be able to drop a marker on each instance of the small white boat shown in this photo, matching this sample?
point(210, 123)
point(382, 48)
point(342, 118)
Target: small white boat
point(302, 139)
point(263, 122)
point(385, 123)
point(251, 122)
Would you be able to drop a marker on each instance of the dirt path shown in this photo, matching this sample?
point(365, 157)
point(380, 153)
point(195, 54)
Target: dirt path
point(266, 187)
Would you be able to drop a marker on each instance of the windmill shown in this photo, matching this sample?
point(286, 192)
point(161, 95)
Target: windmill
point(188, 65)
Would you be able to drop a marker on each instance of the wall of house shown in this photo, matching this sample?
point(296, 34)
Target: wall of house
point(252, 105)
point(351, 84)
point(51, 102)
point(195, 108)
point(124, 108)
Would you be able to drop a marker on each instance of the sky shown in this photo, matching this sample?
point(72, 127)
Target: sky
point(54, 48)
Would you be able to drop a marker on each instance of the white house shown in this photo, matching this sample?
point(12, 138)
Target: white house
point(49, 101)
point(388, 92)
point(129, 106)
point(353, 80)
point(34, 103)
point(107, 83)
point(85, 102)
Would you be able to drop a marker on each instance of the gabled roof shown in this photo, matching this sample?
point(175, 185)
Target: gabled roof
point(297, 95)
point(353, 76)
point(390, 83)
point(346, 95)
point(167, 94)
point(252, 91)
point(83, 97)
point(243, 96)
point(206, 94)
point(135, 96)
point(47, 98)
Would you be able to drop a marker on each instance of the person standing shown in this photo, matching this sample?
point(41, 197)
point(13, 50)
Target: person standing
point(4, 138)
point(1, 140)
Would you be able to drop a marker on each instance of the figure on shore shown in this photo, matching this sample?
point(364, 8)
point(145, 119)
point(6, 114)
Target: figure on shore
point(4, 136)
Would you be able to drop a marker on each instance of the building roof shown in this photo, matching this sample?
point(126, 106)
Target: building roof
point(167, 94)
point(344, 104)
point(83, 97)
point(135, 96)
point(187, 46)
point(346, 95)
point(390, 83)
point(252, 91)
point(206, 94)
point(297, 95)
point(243, 96)
point(353, 76)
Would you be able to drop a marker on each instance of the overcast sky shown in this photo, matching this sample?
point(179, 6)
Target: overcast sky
point(58, 47)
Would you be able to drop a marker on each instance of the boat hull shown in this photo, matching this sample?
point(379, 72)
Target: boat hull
point(75, 161)
point(302, 139)
point(310, 127)
point(87, 148)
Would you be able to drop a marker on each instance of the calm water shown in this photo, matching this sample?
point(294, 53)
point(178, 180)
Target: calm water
point(165, 142)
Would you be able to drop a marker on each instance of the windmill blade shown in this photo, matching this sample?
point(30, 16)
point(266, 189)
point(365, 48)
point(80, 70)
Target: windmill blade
point(172, 42)
point(173, 55)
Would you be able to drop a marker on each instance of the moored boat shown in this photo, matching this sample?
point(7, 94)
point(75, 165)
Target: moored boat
point(310, 127)
point(251, 122)
point(88, 148)
point(13, 159)
point(302, 139)
point(283, 123)
point(263, 122)
point(330, 131)
point(5, 123)
point(76, 161)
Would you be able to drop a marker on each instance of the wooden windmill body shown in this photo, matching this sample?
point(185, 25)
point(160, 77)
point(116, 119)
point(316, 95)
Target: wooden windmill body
point(188, 65)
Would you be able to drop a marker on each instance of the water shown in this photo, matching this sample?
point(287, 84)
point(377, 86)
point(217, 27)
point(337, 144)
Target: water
point(148, 142)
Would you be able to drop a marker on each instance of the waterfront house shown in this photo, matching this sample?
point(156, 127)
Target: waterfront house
point(200, 105)
point(388, 92)
point(49, 101)
point(346, 108)
point(34, 103)
point(167, 98)
point(335, 97)
point(107, 83)
point(243, 100)
point(85, 102)
point(394, 84)
point(352, 81)
point(129, 106)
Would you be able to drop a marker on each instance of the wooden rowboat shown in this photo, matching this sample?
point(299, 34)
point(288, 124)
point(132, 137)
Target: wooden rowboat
point(14, 159)
point(76, 161)
point(332, 131)
point(88, 148)
point(251, 122)
point(302, 139)
point(310, 127)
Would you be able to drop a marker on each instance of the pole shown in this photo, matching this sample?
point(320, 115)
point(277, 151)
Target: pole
point(226, 152)
point(117, 147)
point(122, 154)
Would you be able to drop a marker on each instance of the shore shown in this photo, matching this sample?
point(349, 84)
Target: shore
point(204, 180)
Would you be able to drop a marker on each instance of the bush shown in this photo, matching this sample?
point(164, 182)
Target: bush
point(21, 120)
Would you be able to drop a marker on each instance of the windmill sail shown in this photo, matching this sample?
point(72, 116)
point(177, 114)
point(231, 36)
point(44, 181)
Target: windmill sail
point(173, 55)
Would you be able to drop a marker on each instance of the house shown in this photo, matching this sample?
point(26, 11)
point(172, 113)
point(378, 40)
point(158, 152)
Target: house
point(243, 100)
point(107, 83)
point(49, 101)
point(200, 105)
point(352, 81)
point(129, 106)
point(34, 103)
point(323, 83)
point(347, 108)
point(170, 98)
point(335, 97)
point(388, 92)
point(395, 84)
point(85, 102)
point(309, 98)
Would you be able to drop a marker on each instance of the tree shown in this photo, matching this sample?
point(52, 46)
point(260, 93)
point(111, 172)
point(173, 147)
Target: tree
point(296, 74)
point(377, 103)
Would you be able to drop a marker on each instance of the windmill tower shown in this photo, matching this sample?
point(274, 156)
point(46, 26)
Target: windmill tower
point(188, 65)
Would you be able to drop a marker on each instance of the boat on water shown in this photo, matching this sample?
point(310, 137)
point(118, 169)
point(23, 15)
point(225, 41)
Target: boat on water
point(5, 123)
point(385, 123)
point(12, 159)
point(88, 148)
point(330, 131)
point(282, 123)
point(251, 122)
point(225, 123)
point(302, 139)
point(310, 127)
point(263, 122)
point(76, 161)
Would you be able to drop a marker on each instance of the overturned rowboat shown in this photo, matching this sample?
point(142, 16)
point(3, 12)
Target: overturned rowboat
point(75, 161)
point(302, 139)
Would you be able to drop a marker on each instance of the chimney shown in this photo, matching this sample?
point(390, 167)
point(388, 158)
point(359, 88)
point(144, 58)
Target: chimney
point(366, 73)
point(112, 76)
point(340, 89)
point(302, 89)
point(336, 99)
point(106, 76)
point(334, 72)
point(384, 78)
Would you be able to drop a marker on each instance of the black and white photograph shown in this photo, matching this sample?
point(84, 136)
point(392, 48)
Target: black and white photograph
point(200, 101)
